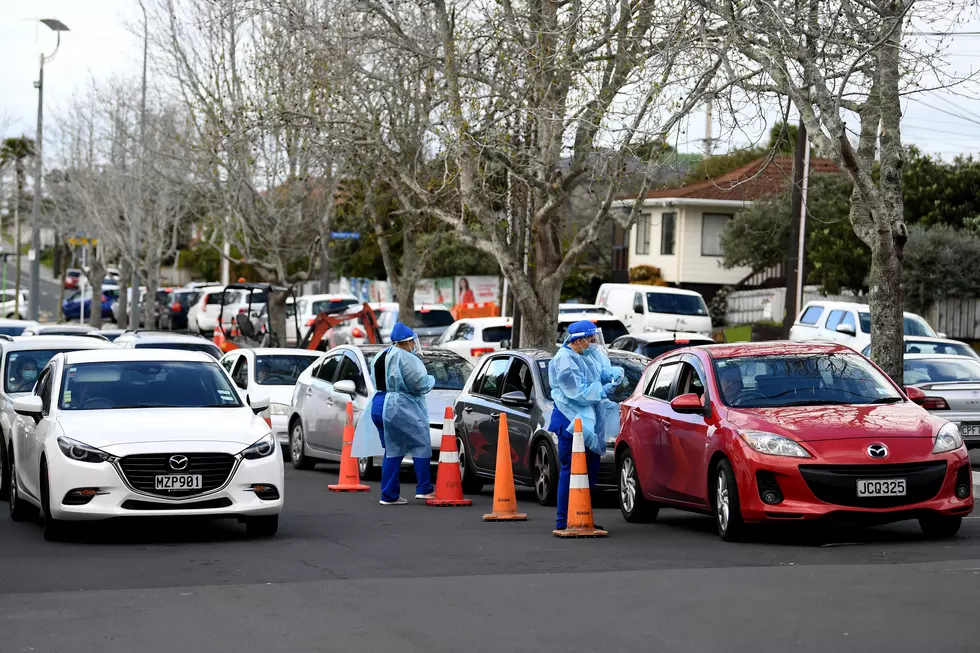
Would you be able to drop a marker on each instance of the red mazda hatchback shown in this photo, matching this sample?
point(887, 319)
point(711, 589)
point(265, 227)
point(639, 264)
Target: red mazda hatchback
point(787, 431)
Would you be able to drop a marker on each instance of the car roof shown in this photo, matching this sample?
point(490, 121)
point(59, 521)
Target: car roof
point(370, 350)
point(159, 336)
point(27, 343)
point(667, 336)
point(323, 296)
point(773, 348)
point(487, 321)
point(937, 357)
point(640, 287)
point(115, 355)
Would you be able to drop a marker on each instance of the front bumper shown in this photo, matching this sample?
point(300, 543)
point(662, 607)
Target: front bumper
point(929, 493)
point(117, 499)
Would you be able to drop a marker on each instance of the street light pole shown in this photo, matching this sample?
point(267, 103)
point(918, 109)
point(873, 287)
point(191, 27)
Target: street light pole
point(35, 253)
point(135, 306)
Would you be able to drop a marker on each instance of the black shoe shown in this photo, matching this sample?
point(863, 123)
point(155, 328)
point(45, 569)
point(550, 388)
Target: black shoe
point(598, 527)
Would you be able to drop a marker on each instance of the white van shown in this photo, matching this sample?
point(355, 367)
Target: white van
point(655, 308)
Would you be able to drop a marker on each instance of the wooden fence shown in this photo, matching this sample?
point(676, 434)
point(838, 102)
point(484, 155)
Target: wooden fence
point(957, 318)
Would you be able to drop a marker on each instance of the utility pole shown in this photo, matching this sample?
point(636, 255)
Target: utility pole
point(134, 305)
point(795, 261)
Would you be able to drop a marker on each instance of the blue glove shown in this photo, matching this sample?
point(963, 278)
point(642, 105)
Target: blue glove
point(609, 389)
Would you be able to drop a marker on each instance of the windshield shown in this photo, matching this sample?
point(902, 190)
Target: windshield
point(146, 384)
point(675, 304)
point(427, 319)
point(496, 334)
point(939, 370)
point(611, 329)
point(632, 366)
point(12, 330)
point(22, 367)
point(584, 310)
point(450, 372)
point(654, 349)
point(203, 346)
point(914, 325)
point(186, 297)
point(331, 305)
point(276, 369)
point(802, 380)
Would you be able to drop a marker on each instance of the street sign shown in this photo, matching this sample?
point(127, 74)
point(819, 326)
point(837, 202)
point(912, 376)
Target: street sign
point(82, 241)
point(345, 235)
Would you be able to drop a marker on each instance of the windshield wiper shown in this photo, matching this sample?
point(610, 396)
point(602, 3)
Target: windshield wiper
point(139, 406)
point(816, 402)
point(887, 400)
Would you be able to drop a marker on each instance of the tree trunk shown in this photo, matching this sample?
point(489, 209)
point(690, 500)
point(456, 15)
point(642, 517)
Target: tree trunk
point(277, 315)
point(96, 273)
point(406, 303)
point(17, 307)
point(886, 301)
point(124, 271)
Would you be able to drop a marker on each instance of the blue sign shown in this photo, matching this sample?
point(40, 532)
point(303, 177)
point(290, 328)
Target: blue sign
point(345, 235)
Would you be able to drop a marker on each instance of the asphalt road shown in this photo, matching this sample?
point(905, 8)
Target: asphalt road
point(345, 574)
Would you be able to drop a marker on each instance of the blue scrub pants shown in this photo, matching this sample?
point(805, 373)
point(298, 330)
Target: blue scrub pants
point(559, 425)
point(391, 467)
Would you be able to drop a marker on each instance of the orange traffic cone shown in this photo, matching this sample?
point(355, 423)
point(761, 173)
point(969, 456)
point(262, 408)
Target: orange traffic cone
point(449, 485)
point(580, 523)
point(219, 337)
point(504, 496)
point(350, 480)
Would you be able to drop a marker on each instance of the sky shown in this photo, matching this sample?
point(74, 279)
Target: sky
point(101, 45)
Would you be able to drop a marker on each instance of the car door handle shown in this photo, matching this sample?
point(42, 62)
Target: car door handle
point(309, 392)
point(665, 421)
point(494, 415)
point(468, 409)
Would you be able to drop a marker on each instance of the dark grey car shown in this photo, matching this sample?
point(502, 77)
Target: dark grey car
point(515, 382)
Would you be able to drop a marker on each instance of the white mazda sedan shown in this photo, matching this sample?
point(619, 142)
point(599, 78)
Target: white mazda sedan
point(141, 432)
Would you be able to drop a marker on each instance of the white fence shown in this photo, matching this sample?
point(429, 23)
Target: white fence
point(765, 304)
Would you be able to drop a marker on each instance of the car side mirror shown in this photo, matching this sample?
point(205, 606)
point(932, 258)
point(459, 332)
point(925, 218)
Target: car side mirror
point(29, 406)
point(505, 344)
point(346, 387)
point(689, 403)
point(515, 398)
point(914, 394)
point(257, 403)
point(638, 308)
point(846, 329)
point(941, 334)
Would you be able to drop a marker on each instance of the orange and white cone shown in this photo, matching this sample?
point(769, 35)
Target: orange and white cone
point(219, 337)
point(350, 479)
point(449, 482)
point(580, 522)
point(504, 495)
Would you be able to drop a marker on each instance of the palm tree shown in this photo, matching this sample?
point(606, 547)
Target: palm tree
point(16, 150)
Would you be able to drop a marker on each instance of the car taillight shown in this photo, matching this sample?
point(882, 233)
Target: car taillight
point(204, 301)
point(357, 332)
point(934, 403)
point(175, 307)
point(479, 351)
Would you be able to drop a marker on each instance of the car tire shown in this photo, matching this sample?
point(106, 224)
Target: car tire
point(4, 472)
point(470, 482)
point(728, 511)
point(544, 474)
point(297, 452)
point(938, 528)
point(265, 526)
point(55, 530)
point(367, 470)
point(635, 507)
point(20, 510)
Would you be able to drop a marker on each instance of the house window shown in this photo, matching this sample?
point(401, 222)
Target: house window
point(668, 234)
point(712, 227)
point(643, 234)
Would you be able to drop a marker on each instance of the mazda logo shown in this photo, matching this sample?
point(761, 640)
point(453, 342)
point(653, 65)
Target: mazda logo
point(178, 463)
point(878, 451)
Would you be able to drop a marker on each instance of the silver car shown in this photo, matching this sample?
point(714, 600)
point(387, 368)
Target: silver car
point(322, 392)
point(952, 387)
point(924, 345)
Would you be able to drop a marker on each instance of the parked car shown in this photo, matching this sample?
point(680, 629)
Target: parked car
point(318, 413)
point(73, 278)
point(923, 345)
point(516, 383)
point(582, 309)
point(9, 327)
point(59, 330)
point(110, 334)
point(21, 362)
point(431, 320)
point(656, 343)
point(74, 304)
point(117, 314)
point(776, 431)
point(473, 337)
point(848, 323)
point(273, 372)
point(13, 303)
point(203, 315)
point(173, 316)
point(952, 388)
point(307, 307)
point(186, 445)
point(611, 327)
point(649, 308)
point(168, 340)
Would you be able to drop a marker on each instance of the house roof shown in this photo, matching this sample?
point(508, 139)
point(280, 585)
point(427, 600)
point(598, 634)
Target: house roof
point(761, 178)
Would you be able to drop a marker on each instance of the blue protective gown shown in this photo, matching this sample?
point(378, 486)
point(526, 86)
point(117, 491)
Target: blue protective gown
point(580, 384)
point(405, 417)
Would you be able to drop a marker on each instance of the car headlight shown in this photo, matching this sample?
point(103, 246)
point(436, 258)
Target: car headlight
point(948, 438)
point(278, 409)
point(83, 453)
point(772, 444)
point(261, 448)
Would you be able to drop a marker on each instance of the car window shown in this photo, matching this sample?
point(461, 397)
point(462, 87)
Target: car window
point(927, 347)
point(330, 306)
point(328, 369)
point(435, 317)
point(834, 319)
point(228, 362)
point(519, 379)
point(676, 304)
point(351, 371)
point(496, 334)
point(464, 332)
point(941, 371)
point(492, 378)
point(654, 349)
point(449, 371)
point(689, 382)
point(22, 368)
point(280, 369)
point(662, 382)
point(240, 375)
point(811, 315)
point(916, 326)
point(634, 367)
point(848, 320)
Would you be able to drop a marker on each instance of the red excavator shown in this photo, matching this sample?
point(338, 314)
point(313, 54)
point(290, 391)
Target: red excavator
point(323, 322)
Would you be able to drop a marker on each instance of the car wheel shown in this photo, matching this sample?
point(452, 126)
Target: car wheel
point(470, 482)
point(296, 449)
point(544, 474)
point(940, 527)
point(265, 526)
point(634, 506)
point(55, 530)
point(20, 510)
point(728, 511)
point(367, 470)
point(4, 472)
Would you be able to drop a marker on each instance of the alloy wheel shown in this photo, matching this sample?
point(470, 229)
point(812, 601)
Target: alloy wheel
point(723, 507)
point(627, 485)
point(462, 457)
point(542, 472)
point(296, 446)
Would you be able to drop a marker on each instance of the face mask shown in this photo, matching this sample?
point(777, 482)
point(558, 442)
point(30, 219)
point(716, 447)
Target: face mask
point(30, 375)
